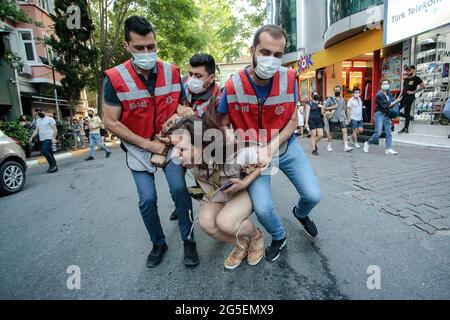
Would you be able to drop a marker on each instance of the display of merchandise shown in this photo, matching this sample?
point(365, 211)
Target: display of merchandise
point(432, 66)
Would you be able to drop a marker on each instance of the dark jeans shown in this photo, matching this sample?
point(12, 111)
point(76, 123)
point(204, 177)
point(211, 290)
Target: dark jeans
point(145, 184)
point(406, 106)
point(47, 152)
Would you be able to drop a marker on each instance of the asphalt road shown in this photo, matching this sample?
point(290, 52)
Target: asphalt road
point(86, 215)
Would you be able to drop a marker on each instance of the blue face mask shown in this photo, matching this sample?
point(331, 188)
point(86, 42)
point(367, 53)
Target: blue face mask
point(385, 87)
point(146, 60)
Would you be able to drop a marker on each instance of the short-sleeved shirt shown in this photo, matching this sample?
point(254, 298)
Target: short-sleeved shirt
point(262, 92)
point(110, 94)
point(410, 84)
point(45, 128)
point(355, 105)
point(339, 114)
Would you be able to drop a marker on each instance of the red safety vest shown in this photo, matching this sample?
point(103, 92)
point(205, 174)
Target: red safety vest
point(246, 113)
point(143, 113)
point(200, 106)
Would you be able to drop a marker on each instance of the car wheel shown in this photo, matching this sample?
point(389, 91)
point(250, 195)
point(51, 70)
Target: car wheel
point(12, 177)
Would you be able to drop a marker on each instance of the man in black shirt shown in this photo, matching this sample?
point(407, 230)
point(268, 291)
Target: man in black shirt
point(411, 85)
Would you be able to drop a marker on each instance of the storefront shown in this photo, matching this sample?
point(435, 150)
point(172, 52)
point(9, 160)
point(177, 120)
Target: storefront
point(432, 60)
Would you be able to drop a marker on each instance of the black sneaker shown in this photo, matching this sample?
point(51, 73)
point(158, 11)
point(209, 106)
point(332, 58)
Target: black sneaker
point(308, 224)
point(190, 253)
point(89, 159)
point(173, 216)
point(315, 153)
point(273, 251)
point(155, 256)
point(52, 169)
point(404, 130)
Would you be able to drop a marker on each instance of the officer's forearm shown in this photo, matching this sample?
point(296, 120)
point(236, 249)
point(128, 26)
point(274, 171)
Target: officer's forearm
point(121, 131)
point(284, 134)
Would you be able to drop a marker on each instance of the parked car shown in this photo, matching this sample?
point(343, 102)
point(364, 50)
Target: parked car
point(13, 165)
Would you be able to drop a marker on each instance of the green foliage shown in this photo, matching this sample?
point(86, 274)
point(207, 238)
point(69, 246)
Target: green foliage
point(75, 57)
point(15, 131)
point(9, 10)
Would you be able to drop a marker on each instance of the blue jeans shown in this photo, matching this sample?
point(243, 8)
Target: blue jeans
point(47, 152)
point(95, 138)
point(77, 135)
point(382, 120)
point(295, 165)
point(145, 184)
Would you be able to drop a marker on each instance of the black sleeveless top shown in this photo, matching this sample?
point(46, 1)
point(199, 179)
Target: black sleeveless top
point(315, 111)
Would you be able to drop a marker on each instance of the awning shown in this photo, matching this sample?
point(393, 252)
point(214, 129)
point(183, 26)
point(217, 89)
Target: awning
point(355, 46)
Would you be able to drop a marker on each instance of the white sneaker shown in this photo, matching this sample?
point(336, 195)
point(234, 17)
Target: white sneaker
point(357, 145)
point(329, 148)
point(348, 149)
point(366, 147)
point(391, 151)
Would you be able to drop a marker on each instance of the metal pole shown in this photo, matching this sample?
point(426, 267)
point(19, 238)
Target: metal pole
point(16, 76)
point(434, 76)
point(56, 94)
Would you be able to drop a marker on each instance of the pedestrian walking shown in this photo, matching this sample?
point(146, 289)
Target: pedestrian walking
point(355, 113)
point(95, 124)
point(46, 131)
point(314, 112)
point(338, 119)
point(77, 127)
point(384, 101)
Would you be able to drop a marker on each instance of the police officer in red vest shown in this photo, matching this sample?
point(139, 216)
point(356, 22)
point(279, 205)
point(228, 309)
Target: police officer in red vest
point(140, 95)
point(260, 101)
point(199, 85)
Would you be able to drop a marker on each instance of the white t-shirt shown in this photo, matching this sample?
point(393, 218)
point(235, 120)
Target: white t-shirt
point(355, 106)
point(44, 126)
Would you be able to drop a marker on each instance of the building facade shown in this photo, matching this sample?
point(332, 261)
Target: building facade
point(348, 43)
point(25, 88)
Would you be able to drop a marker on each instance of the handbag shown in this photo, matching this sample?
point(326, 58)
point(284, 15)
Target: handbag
point(394, 111)
point(330, 113)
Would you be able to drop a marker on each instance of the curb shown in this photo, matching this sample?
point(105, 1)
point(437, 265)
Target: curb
point(66, 155)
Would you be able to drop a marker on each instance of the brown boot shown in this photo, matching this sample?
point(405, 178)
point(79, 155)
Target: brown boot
point(236, 256)
point(256, 248)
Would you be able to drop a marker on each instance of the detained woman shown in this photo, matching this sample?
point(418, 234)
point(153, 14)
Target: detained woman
point(223, 178)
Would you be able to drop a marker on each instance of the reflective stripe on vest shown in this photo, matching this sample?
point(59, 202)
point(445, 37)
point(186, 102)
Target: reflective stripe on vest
point(135, 93)
point(241, 97)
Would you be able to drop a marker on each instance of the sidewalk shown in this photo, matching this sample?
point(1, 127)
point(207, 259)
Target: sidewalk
point(40, 160)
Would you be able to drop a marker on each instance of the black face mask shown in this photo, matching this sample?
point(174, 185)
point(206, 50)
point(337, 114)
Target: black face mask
point(90, 115)
point(41, 114)
point(337, 94)
point(315, 97)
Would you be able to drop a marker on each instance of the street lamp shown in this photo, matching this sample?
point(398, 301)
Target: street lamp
point(47, 62)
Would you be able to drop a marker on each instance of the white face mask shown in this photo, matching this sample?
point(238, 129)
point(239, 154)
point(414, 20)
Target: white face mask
point(356, 95)
point(266, 67)
point(385, 87)
point(196, 85)
point(146, 60)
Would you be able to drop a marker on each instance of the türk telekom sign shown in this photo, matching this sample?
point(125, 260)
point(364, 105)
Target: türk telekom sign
point(407, 18)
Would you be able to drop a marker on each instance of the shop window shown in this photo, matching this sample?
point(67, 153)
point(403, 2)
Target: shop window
point(286, 17)
point(432, 66)
point(340, 9)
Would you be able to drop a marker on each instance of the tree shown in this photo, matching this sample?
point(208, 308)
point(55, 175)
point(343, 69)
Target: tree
point(71, 43)
point(177, 37)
